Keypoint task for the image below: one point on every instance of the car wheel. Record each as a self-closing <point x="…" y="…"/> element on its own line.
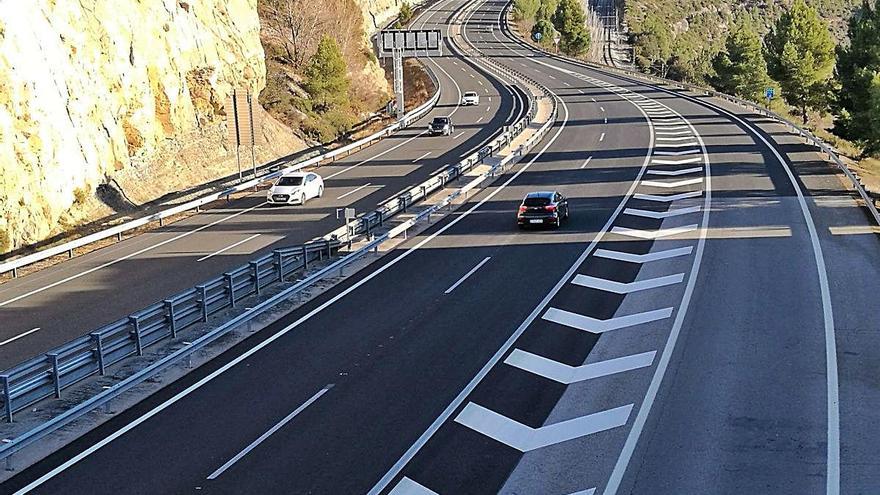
<point x="321" y="191"/>
<point x="302" y="199"/>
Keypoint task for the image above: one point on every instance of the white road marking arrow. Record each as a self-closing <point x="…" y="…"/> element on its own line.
<point x="653" y="234"/>
<point x="669" y="197"/>
<point x="681" y="161"/>
<point x="672" y="184"/>
<point x="657" y="215"/>
<point x="525" y="438"/>
<point x="678" y="145"/>
<point x="593" y="325"/>
<point x="672" y="173"/>
<point x="566" y="375"/>
<point x="407" y="486"/>
<point x="643" y="258"/>
<point x="626" y="288"/>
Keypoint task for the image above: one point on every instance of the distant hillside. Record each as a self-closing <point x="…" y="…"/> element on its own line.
<point x="710" y="15"/>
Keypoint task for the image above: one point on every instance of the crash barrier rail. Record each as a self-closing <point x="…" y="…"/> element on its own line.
<point x="329" y="157"/>
<point x="174" y="308"/>
<point x="48" y="375"/>
<point x="809" y="137"/>
<point x="12" y="445"/>
<point x="365" y="223"/>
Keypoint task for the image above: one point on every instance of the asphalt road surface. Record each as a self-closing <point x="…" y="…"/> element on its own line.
<point x="704" y="323"/>
<point x="52" y="306"/>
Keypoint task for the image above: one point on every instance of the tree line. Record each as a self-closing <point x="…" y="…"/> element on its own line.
<point x="798" y="57"/>
<point x="548" y="20"/>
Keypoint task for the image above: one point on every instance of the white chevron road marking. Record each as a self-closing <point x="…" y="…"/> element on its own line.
<point x="668" y="197"/>
<point x="673" y="132"/>
<point x="627" y="288"/>
<point x="525" y="438"/>
<point x="653" y="234"/>
<point x="678" y="145"/>
<point x="644" y="258"/>
<point x="672" y="184"/>
<point x="677" y="153"/>
<point x="680" y="161"/>
<point x="592" y="325"/>
<point x="407" y="486"/>
<point x="673" y="139"/>
<point x="673" y="173"/>
<point x="566" y="375"/>
<point x="659" y="215"/>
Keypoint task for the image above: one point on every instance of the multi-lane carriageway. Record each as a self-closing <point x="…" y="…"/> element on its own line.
<point x="702" y="325"/>
<point x="43" y="310"/>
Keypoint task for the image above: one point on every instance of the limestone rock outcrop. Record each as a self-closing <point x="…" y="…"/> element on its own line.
<point x="134" y="91"/>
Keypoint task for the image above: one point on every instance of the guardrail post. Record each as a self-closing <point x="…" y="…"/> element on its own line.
<point x="7" y="398"/>
<point x="136" y="332"/>
<point x="229" y="286"/>
<point x="99" y="351"/>
<point x="169" y="306"/>
<point x="15" y="273"/>
<point x="56" y="378"/>
<point x="279" y="262"/>
<point x="305" y="258"/>
<point x="203" y="301"/>
<point x="161" y="222"/>
<point x="329" y="253"/>
<point x="255" y="273"/>
<point x="70" y="253"/>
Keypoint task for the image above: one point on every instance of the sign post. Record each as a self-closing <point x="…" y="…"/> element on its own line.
<point x="398" y="44"/>
<point x="769" y="93"/>
<point x="240" y="124"/>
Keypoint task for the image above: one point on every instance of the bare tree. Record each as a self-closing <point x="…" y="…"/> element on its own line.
<point x="294" y="23"/>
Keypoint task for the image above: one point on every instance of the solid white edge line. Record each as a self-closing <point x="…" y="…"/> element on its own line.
<point x="127" y="256"/>
<point x="227" y="248"/>
<point x="180" y="395"/>
<point x="466" y="275"/>
<point x="422" y="440"/>
<point x="269" y="433"/>
<point x="422" y="157"/>
<point x="23" y="334"/>
<point x="641" y="418"/>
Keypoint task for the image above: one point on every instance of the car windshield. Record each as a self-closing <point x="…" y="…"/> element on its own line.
<point x="538" y="201"/>
<point x="440" y="120"/>
<point x="290" y="181"/>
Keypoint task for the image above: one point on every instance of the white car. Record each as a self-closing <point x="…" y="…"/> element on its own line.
<point x="295" y="188"/>
<point x="470" y="98"/>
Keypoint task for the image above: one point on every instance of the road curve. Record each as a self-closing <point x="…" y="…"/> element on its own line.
<point x="701" y="325"/>
<point x="52" y="306"/>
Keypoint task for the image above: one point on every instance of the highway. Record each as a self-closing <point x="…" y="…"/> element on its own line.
<point x="704" y="323"/>
<point x="52" y="306"/>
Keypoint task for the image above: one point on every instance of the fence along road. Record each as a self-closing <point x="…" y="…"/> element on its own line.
<point x="746" y="413"/>
<point x="47" y="308"/>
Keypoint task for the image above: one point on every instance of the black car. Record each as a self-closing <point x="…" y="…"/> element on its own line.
<point x="542" y="208"/>
<point x="441" y="125"/>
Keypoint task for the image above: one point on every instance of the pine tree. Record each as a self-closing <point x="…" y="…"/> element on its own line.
<point x="570" y="20"/>
<point x="800" y="55"/>
<point x="406" y="13"/>
<point x="740" y="69"/>
<point x="525" y="10"/>
<point x="858" y="74"/>
<point x="654" y="44"/>
<point x="326" y="80"/>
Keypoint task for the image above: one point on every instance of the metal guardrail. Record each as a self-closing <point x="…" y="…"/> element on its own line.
<point x="342" y="152"/>
<point x="369" y="221"/>
<point x="188" y="306"/>
<point x="808" y="136"/>
<point x="48" y="375"/>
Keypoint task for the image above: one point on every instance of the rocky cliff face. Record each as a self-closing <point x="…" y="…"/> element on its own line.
<point x="134" y="91"/>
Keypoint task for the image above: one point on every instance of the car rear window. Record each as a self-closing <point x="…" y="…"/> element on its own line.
<point x="536" y="201"/>
<point x="470" y="93"/>
<point x="290" y="181"/>
<point x="440" y="120"/>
